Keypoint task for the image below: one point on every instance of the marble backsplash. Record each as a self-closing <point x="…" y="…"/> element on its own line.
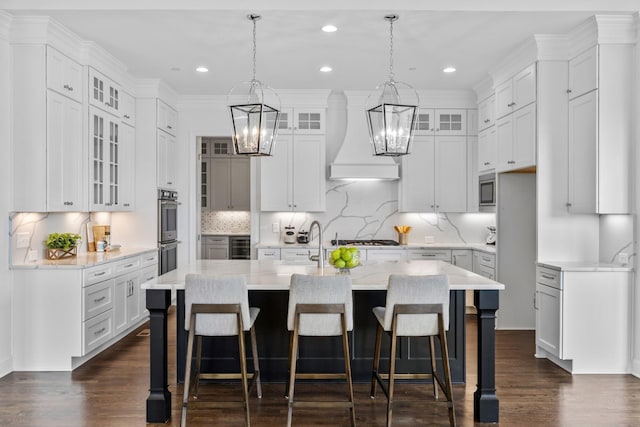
<point x="369" y="210"/>
<point x="226" y="221"/>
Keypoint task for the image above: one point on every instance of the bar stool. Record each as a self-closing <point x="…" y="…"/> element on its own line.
<point x="219" y="306"/>
<point x="416" y="306"/>
<point x="319" y="306"/>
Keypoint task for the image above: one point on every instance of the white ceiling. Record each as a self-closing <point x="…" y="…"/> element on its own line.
<point x="169" y="42"/>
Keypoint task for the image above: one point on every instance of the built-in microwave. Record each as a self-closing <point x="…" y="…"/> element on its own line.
<point x="487" y="192"/>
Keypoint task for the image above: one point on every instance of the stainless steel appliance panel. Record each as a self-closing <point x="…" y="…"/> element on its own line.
<point x="168" y="257"/>
<point x="487" y="192"/>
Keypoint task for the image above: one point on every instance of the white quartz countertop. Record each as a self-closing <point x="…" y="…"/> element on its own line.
<point x="276" y="274"/>
<point x="84" y="260"/>
<point x="584" y="266"/>
<point x="225" y="233"/>
<point x="473" y="246"/>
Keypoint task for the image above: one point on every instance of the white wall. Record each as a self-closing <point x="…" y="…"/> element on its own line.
<point x="6" y="279"/>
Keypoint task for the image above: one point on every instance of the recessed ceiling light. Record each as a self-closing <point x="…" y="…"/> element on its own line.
<point x="325" y="69"/>
<point x="329" y="28"/>
<point x="202" y="69"/>
<point x="449" y="70"/>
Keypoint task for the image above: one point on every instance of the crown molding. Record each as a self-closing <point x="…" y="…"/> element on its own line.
<point x="552" y="47"/>
<point x="45" y="30"/>
<point x="522" y="56"/>
<point x="155" y="88"/>
<point x="201" y="102"/>
<point x="602" y="29"/>
<point x="97" y="57"/>
<point x="484" y="88"/>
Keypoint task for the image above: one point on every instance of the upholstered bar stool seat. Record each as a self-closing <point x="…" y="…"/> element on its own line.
<point x="416" y="306"/>
<point x="319" y="306"/>
<point x="216" y="307"/>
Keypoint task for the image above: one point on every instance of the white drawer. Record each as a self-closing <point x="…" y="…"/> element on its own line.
<point x="97" y="298"/>
<point x="487" y="272"/>
<point x="148" y="273"/>
<point x="488" y="260"/>
<point x="430" y="254"/>
<point x="126" y="265"/>
<point x="384" y="255"/>
<point x="549" y="277"/>
<point x="296" y="254"/>
<point x="98" y="273"/>
<point x="268" y="253"/>
<point x="149" y="259"/>
<point x="97" y="331"/>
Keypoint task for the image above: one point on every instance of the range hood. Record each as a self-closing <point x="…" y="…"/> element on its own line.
<point x="355" y="159"/>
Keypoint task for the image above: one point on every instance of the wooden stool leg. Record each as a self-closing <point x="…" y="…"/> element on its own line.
<point x="256" y="362"/>
<point x="292" y="367"/>
<point x="196" y="374"/>
<point x="392" y="373"/>
<point x="376" y="361"/>
<point x="347" y="368"/>
<point x="432" y="350"/>
<point x="447" y="370"/>
<point x="243" y="370"/>
<point x="286" y="389"/>
<point x="187" y="375"/>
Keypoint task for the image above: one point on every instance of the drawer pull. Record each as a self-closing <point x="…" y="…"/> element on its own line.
<point x="100" y="332"/>
<point x="151" y="259"/>
<point x="102" y="273"/>
<point x="486" y="259"/>
<point x="149" y="278"/>
<point x="128" y="265"/>
<point x="102" y="298"/>
<point x="428" y="255"/>
<point x="546" y="276"/>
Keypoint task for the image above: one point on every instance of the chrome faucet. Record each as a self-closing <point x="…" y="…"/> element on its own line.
<point x="320" y="256"/>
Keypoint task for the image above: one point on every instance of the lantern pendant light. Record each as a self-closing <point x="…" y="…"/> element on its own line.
<point x="390" y="115"/>
<point x="255" y="112"/>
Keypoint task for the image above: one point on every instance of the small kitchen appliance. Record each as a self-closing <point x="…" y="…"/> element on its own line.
<point x="303" y="236"/>
<point x="491" y="237"/>
<point x="289" y="234"/>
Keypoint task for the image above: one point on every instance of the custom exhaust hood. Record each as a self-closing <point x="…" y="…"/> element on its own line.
<point x="355" y="159"/>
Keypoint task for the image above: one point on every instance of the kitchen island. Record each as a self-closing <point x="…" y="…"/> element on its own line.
<point x="268" y="283"/>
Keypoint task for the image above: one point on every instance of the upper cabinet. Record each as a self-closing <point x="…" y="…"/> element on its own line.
<point x="600" y="129"/>
<point x="487" y="149"/>
<point x="516" y="140"/>
<point x="434" y="176"/>
<point x="486" y="113"/>
<point x="167" y="118"/>
<point x="583" y="73"/>
<point x="517" y="92"/>
<point x="49" y="149"/>
<point x="128" y="108"/>
<point x="104" y="93"/>
<point x="64" y="75"/>
<point x="302" y="121"/>
<point x="225" y="182"/>
<point x="448" y="122"/>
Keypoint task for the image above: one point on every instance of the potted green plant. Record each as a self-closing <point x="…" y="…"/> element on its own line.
<point x="60" y="245"/>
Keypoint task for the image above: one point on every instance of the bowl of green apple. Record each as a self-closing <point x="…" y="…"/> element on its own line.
<point x="345" y="258"/>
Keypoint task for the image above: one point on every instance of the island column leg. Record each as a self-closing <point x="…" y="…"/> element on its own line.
<point x="159" y="400"/>
<point x="485" y="402"/>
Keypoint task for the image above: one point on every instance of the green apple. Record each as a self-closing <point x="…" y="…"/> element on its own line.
<point x="339" y="263"/>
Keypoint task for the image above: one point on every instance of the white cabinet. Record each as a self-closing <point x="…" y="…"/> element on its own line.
<point x="308" y="121"/>
<point x="439" y="165"/>
<point x="268" y="253"/>
<point x="66" y="183"/>
<point x="600" y="132"/>
<point x="167" y="118"/>
<point x="462" y="258"/>
<point x="225" y="183"/>
<point x="109" y="156"/>
<point x="126" y="167"/>
<point x="484" y="264"/>
<point x="583" y="73"/>
<point x="487" y="149"/>
<point x="430" y="254"/>
<point x="64" y="75"/>
<point x="215" y="247"/>
<point x="583" y="319"/>
<point x="516" y="140"/>
<point x="293" y="178"/>
<point x="517" y="92"/>
<point x="383" y="255"/>
<point x="48" y="148"/>
<point x="104" y="93"/>
<point x="486" y="113"/>
<point x="450" y="122"/>
<point x="128" y="108"/>
<point x="166" y="160"/>
<point x="298" y="255"/>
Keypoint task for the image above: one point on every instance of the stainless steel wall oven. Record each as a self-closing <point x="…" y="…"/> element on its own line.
<point x="167" y="230"/>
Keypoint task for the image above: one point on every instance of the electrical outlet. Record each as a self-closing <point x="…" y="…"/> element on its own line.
<point x="22" y="240"/>
<point x="33" y="255"/>
<point x="623" y="258"/>
<point x="275" y="227"/>
<point x="429" y="239"/>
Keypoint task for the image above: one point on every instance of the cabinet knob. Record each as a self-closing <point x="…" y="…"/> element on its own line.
<point x="511" y="104"/>
<point x="486" y="120"/>
<point x="569" y="205"/>
<point x="170" y="183"/>
<point x="568" y="90"/>
<point x="511" y="162"/>
<point x="486" y="163"/>
<point x="169" y="127"/>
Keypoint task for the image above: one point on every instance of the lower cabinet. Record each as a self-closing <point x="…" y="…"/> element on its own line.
<point x="583" y="319"/>
<point x="63" y="317"/>
<point x="215" y="247"/>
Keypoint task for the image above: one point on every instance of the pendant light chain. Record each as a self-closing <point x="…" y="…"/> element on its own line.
<point x="254" y="18"/>
<point x="391" y="49"/>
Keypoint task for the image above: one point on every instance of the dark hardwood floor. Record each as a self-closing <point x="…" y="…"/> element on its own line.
<point x="111" y="390"/>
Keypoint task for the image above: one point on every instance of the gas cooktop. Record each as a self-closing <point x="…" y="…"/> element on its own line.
<point x="371" y="242"/>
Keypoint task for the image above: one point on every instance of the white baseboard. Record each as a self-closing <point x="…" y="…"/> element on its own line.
<point x="6" y="366"/>
<point x="635" y="368"/>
